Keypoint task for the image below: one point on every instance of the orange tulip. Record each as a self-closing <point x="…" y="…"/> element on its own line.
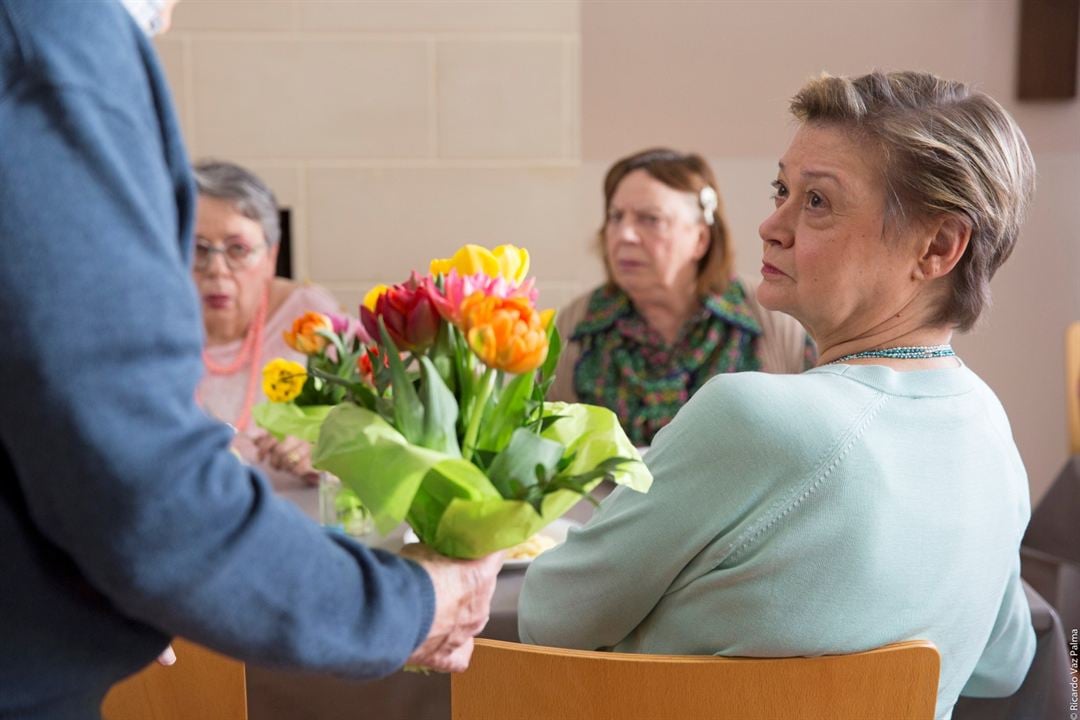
<point x="507" y="334"/>
<point x="303" y="337"/>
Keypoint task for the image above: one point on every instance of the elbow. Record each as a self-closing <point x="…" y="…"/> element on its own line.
<point x="995" y="687"/>
<point x="531" y="628"/>
<point x="1011" y="683"/>
<point x="1005" y="679"/>
<point x="549" y="627"/>
<point x="539" y="624"/>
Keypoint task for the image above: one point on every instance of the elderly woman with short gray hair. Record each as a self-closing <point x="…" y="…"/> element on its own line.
<point x="877" y="497"/>
<point x="245" y="311"/>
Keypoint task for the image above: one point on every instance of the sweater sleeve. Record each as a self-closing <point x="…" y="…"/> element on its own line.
<point x="1010" y="648"/>
<point x="118" y="469"/>
<point x="596" y="588"/>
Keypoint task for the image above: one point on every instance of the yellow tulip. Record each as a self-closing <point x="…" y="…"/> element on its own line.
<point x="283" y="379"/>
<point x="506" y="261"/>
<point x="513" y="262"/>
<point x="505" y="333"/>
<point x="373" y="295"/>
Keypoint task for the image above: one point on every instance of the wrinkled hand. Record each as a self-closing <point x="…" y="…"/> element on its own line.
<point x="290" y="454"/>
<point x="463" y="590"/>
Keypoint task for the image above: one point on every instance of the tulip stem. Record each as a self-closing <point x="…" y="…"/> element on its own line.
<point x="487" y="384"/>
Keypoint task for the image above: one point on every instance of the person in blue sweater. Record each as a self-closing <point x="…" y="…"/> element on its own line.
<point x="877" y="497"/>
<point x="124" y="518"/>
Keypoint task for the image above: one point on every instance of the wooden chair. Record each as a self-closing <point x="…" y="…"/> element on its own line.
<point x="201" y="685"/>
<point x="510" y="681"/>
<point x="1072" y="385"/>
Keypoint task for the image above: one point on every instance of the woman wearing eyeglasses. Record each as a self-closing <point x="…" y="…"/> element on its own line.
<point x="245" y="311"/>
<point x="671" y="314"/>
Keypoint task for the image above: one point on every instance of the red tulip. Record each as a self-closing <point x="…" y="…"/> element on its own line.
<point x="409" y="314"/>
<point x="365" y="364"/>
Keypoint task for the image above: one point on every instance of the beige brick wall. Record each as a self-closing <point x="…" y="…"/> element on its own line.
<point x="395" y="131"/>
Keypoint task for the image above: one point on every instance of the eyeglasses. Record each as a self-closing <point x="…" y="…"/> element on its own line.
<point x="644" y="222"/>
<point x="237" y="255"/>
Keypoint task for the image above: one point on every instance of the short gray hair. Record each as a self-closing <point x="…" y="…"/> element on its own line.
<point x="948" y="149"/>
<point x="243" y="190"/>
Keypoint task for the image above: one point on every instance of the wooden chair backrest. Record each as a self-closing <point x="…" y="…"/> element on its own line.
<point x="511" y="681"/>
<point x="201" y="685"/>
<point x="1072" y="385"/>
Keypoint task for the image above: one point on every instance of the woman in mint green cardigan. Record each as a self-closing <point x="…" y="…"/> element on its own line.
<point x="877" y="497"/>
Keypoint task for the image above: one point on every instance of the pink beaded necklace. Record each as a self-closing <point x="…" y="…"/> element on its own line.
<point x="250" y="350"/>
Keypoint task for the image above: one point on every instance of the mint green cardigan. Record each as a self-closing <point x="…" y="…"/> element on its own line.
<point x="829" y="512"/>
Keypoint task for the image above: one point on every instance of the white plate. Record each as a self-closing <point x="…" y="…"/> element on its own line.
<point x="556" y="531"/>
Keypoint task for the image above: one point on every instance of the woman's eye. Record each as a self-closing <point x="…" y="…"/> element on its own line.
<point x="814" y="200"/>
<point x="614" y="217"/>
<point x="650" y="220"/>
<point x="238" y="251"/>
<point x="779" y="190"/>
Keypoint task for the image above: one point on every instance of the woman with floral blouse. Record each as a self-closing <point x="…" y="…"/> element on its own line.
<point x="671" y="315"/>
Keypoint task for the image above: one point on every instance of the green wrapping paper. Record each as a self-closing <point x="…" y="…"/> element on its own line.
<point x="282" y="419"/>
<point x="450" y="503"/>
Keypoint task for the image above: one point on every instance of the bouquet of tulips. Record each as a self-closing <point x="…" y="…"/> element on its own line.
<point x="445" y="425"/>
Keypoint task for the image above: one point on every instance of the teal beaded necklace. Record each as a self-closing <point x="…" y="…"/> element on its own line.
<point x="911" y="352"/>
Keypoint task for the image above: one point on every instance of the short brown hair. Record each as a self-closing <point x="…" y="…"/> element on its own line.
<point x="686" y="173"/>
<point x="947" y="149"/>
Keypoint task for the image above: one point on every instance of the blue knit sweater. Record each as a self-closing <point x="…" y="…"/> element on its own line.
<point x="124" y="519"/>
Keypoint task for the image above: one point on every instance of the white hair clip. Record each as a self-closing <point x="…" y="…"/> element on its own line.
<point x="709" y="201"/>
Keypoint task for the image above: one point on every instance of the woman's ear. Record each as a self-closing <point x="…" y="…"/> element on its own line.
<point x="942" y="248"/>
<point x="703" y="243"/>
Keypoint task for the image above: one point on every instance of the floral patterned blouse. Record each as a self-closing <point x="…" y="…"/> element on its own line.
<point x="623" y="364"/>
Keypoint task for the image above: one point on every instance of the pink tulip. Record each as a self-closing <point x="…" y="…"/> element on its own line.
<point x="347" y="327"/>
<point x="457" y="287"/>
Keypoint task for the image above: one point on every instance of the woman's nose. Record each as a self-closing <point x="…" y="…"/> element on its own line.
<point x="777" y="229"/>
<point x="216" y="265"/>
<point x="624" y="230"/>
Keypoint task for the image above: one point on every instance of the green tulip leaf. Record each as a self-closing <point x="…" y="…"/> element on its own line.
<point x="440" y="411"/>
<point x="507" y="414"/>
<point x="547" y="369"/>
<point x="515" y="468"/>
<point x="408" y="412"/>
